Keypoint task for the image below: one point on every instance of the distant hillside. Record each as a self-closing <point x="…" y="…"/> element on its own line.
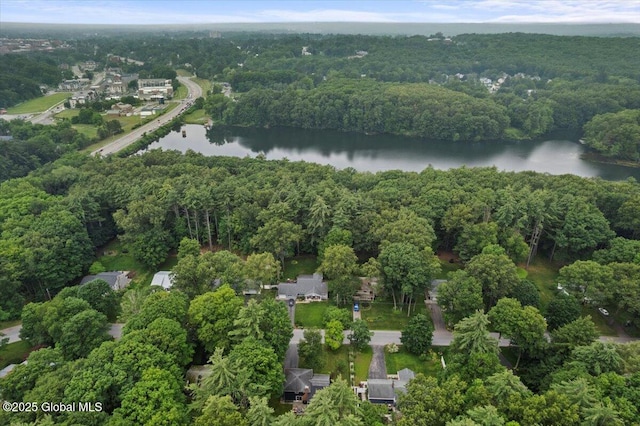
<point x="15" y="29"/>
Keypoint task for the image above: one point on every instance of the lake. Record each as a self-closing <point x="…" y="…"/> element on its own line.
<point x="387" y="152"/>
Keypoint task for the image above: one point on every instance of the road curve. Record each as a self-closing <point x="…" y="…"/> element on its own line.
<point x="195" y="91"/>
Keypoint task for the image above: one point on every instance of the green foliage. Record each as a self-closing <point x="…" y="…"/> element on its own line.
<point x="497" y="275"/>
<point x="620" y="250"/>
<point x="334" y="336"/>
<point x="24" y="376"/>
<point x="428" y="402"/>
<point x="562" y="310"/>
<point x="459" y="297"/>
<point x="160" y="304"/>
<point x="471" y="335"/>
<point x="615" y="134"/>
<point x="82" y="333"/>
<point x="168" y="336"/>
<point x="96" y="268"/>
<point x="333" y="313"/>
<point x="417" y="336"/>
<point x="581" y="332"/>
<point x="156" y="399"/>
<point x="220" y="411"/>
<point x="406" y="269"/>
<point x="212" y="314"/>
<point x="21" y="76"/>
<point x="101" y="297"/>
<point x="339" y="262"/>
<point x="360" y="335"/>
<point x="262" y="364"/>
<point x="310" y="349"/>
<point x="188" y="246"/>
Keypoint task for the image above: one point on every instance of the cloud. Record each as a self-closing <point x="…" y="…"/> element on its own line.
<point x="428" y="11"/>
<point x="326" y="15"/>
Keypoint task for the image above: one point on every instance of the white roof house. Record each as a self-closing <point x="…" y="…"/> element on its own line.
<point x="163" y="279"/>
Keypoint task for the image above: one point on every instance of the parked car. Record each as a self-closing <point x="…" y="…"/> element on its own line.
<point x="356" y="307"/>
<point x="604" y="312"/>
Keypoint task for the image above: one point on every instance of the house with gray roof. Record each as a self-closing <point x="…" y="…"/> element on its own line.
<point x="117" y="280"/>
<point x="381" y="391"/>
<point x="386" y="391"/>
<point x="301" y="384"/>
<point x="307" y="287"/>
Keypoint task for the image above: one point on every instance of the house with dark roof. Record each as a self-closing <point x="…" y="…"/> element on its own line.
<point x="386" y="391"/>
<point x="381" y="391"/>
<point x="117" y="280"/>
<point x="301" y="384"/>
<point x="307" y="287"/>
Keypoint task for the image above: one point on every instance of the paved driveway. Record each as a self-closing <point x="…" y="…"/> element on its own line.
<point x="291" y="357"/>
<point x="377" y="368"/>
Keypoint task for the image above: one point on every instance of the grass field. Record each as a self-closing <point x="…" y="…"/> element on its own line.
<point x="117" y="258"/>
<point x="601" y="322"/>
<point x="299" y="265"/>
<point x="380" y="315"/>
<point x="403" y="359"/>
<point x="362" y="362"/>
<point x="204" y="84"/>
<point x="181" y="93"/>
<point x="89" y="130"/>
<point x="14" y="353"/>
<point x="336" y="362"/>
<point x="446" y="268"/>
<point x="67" y="113"/>
<point x="310" y="314"/>
<point x="543" y="274"/>
<point x="39" y="104"/>
<point x="199" y="116"/>
<point x="7" y="324"/>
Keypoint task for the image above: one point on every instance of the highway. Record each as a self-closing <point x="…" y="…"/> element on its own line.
<point x="195" y="91"/>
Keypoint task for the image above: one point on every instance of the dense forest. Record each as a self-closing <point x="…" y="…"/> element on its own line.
<point x="21" y="77"/>
<point x="157" y="202"/>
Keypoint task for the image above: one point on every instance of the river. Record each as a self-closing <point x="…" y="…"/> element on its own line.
<point x="387" y="152"/>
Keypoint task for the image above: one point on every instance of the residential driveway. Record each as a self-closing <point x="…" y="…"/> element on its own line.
<point x="377" y="368"/>
<point x="291" y="357"/>
<point x="437" y="318"/>
<point x="357" y="315"/>
<point x="13" y="333"/>
<point x="115" y="330"/>
<point x="292" y="313"/>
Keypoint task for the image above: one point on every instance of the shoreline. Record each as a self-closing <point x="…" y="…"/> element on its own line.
<point x="599" y="158"/>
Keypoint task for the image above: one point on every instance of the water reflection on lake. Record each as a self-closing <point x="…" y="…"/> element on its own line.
<point x="387" y="152"/>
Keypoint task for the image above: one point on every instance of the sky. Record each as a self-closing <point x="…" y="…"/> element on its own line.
<point x="245" y="11"/>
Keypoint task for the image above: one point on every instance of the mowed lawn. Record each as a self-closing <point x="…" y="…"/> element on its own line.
<point x="336" y="363"/>
<point x="116" y="257"/>
<point x="362" y="363"/>
<point x="544" y="275"/>
<point x="430" y="366"/>
<point x="310" y="314"/>
<point x="199" y="116"/>
<point x="299" y="265"/>
<point x="380" y="314"/>
<point x="14" y="353"/>
<point x="39" y="104"/>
